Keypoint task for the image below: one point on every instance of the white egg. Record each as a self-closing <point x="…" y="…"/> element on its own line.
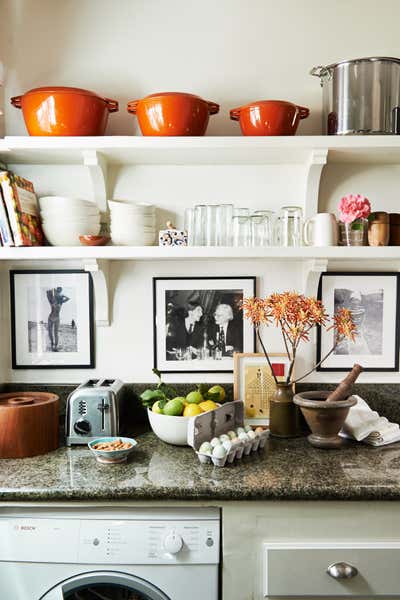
<point x="232" y="434"/>
<point x="206" y="448"/>
<point x="227" y="444"/>
<point x="215" y="442"/>
<point x="248" y="428"/>
<point x="252" y="434"/>
<point x="224" y="438"/>
<point x="259" y="430"/>
<point x="240" y="430"/>
<point x="243" y="436"/>
<point x="219" y="452"/>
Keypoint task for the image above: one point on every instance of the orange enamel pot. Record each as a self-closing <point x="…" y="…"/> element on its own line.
<point x="64" y="111"/>
<point x="172" y="113"/>
<point x="269" y="117"/>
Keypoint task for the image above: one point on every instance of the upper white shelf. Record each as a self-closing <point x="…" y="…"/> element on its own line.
<point x="201" y="150"/>
<point x="333" y="253"/>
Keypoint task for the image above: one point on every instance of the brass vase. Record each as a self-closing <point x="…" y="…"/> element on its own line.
<point x="284" y="415"/>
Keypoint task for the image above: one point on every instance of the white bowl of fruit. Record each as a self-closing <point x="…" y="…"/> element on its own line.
<point x="170" y="414"/>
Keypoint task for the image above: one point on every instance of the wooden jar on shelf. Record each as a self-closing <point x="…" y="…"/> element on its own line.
<point x="378" y="229"/>
<point x="394" y="239"/>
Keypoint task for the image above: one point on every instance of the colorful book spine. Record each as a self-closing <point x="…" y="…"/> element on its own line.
<point x="6" y="235"/>
<point x="22" y="209"/>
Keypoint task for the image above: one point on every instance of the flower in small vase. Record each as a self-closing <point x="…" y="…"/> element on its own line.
<point x="354" y="207"/>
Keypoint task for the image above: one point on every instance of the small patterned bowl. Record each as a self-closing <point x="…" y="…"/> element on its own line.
<point x="112" y="456"/>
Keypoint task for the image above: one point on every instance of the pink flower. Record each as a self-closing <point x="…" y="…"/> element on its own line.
<point x="354" y="207"/>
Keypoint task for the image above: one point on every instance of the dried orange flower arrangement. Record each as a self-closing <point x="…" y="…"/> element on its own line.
<point x="296" y="315"/>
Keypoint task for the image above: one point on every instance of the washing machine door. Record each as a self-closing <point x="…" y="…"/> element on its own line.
<point x="105" y="585"/>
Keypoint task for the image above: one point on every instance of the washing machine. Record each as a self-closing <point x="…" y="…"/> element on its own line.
<point x="130" y="554"/>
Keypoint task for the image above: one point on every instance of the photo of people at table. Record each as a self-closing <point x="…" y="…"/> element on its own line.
<point x="203" y="324"/>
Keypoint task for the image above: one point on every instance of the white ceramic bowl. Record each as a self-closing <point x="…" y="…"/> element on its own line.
<point x="113" y="456"/>
<point x="63" y="202"/>
<point x="70" y="213"/>
<point x="65" y="234"/>
<point x="56" y="221"/>
<point x="172" y="430"/>
<point x="130" y="207"/>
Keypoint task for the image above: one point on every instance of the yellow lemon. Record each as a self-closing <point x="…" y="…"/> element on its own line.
<point x="218" y="389"/>
<point x="207" y="405"/>
<point x="191" y="410"/>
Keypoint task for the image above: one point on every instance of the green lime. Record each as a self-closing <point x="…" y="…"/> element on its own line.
<point x="174" y="408"/>
<point x="217" y="389"/>
<point x="156" y="408"/>
<point x="194" y="397"/>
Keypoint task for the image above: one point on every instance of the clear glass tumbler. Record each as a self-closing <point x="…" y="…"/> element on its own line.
<point x="241" y="227"/>
<point x="200" y="224"/>
<point x="261" y="228"/>
<point x="289" y="226"/>
<point x="224" y="224"/>
<point x="211" y="224"/>
<point x="188" y="225"/>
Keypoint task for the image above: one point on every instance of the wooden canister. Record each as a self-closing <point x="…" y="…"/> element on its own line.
<point x="378" y="229"/>
<point x="394" y="239"/>
<point x="28" y="424"/>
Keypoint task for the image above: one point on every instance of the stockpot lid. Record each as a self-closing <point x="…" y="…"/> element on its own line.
<point x="323" y="71"/>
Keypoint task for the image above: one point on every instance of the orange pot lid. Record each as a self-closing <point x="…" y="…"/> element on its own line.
<point x="64" y="90"/>
<point x="175" y="94"/>
<point x="264" y="102"/>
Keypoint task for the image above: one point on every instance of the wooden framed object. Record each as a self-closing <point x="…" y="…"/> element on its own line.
<point x="254" y="383"/>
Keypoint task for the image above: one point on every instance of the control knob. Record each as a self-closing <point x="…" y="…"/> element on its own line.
<point x="173" y="543"/>
<point x="82" y="427"/>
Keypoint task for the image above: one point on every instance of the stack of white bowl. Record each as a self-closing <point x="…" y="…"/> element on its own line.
<point x="65" y="219"/>
<point x="132" y="224"/>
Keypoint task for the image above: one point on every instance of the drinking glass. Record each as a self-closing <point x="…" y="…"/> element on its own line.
<point x="200" y="224"/>
<point x="241" y="227"/>
<point x="261" y="228"/>
<point x="224" y="224"/>
<point x="211" y="224"/>
<point x="289" y="226"/>
<point x="189" y="225"/>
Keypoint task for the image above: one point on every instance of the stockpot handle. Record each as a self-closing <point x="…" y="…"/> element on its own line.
<point x="213" y="107"/>
<point x="16" y="101"/>
<point x="321" y="72"/>
<point x="112" y="105"/>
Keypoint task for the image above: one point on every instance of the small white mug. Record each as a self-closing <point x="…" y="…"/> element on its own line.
<point x="324" y="230"/>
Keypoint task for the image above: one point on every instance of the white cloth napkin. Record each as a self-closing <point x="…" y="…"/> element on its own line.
<point x="365" y="425"/>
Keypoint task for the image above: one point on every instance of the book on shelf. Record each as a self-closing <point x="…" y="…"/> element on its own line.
<point x="21" y="205"/>
<point x="6" y="236"/>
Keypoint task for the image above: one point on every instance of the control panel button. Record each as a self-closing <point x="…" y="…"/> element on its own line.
<point x="96" y="542"/>
<point x="82" y="427"/>
<point x="209" y="542"/>
<point x="173" y="543"/>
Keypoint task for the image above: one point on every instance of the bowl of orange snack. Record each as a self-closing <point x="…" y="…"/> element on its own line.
<point x="112" y="450"/>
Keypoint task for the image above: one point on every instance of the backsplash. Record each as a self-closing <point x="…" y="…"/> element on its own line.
<point x="384" y="398"/>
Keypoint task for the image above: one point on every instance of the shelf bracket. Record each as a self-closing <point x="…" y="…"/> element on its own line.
<point x="312" y="270"/>
<point x="316" y="162"/>
<point x="97" y="167"/>
<point x="99" y="270"/>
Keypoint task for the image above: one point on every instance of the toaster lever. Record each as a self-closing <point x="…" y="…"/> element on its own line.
<point x="103" y="406"/>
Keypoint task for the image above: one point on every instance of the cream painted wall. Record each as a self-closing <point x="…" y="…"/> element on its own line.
<point x="230" y="51"/>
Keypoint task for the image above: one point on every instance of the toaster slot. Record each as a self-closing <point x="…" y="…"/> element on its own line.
<point x="92" y="382"/>
<point x="108" y="382"/>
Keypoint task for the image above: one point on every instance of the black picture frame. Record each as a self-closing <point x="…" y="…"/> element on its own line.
<point x="252" y="280"/>
<point x="396" y="337"/>
<point x="16" y="364"/>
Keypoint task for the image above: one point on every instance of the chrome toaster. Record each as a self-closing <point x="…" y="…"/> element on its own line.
<point x="93" y="410"/>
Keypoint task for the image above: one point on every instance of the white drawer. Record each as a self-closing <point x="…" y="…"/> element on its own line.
<point x="303" y="570"/>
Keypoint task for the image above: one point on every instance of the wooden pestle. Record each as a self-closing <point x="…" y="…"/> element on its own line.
<point x="343" y="389"/>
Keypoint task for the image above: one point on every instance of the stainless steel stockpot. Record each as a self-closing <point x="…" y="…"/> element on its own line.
<point x="361" y="96"/>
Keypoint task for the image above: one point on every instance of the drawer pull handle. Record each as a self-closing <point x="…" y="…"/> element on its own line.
<point x="342" y="570"/>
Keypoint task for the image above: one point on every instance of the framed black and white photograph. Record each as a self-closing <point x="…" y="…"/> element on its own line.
<point x="373" y="299"/>
<point x="52" y="319"/>
<point x="198" y="323"/>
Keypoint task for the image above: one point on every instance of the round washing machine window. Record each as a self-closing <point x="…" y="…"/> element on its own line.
<point x="105" y="585"/>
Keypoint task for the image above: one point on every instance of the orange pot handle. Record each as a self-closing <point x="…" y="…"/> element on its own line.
<point x="213" y="107"/>
<point x="303" y="112"/>
<point x="112" y="105"/>
<point x="235" y="113"/>
<point x="132" y="106"/>
<point x="16" y="101"/>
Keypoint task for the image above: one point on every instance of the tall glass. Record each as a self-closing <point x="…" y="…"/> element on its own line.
<point x="241" y="227"/>
<point x="211" y="224"/>
<point x="189" y="225"/>
<point x="261" y="228"/>
<point x="289" y="226"/>
<point x="200" y="224"/>
<point x="224" y="224"/>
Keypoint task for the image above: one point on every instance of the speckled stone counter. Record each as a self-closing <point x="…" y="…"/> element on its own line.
<point x="287" y="470"/>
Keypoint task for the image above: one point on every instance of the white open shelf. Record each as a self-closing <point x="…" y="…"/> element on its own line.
<point x="139" y="253"/>
<point x="201" y="150"/>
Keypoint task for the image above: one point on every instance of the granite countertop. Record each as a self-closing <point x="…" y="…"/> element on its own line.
<point x="284" y="469"/>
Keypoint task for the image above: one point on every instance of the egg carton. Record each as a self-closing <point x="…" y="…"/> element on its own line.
<point x="210" y="425"/>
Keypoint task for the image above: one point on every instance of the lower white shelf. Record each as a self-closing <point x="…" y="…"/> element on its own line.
<point x="337" y="253"/>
